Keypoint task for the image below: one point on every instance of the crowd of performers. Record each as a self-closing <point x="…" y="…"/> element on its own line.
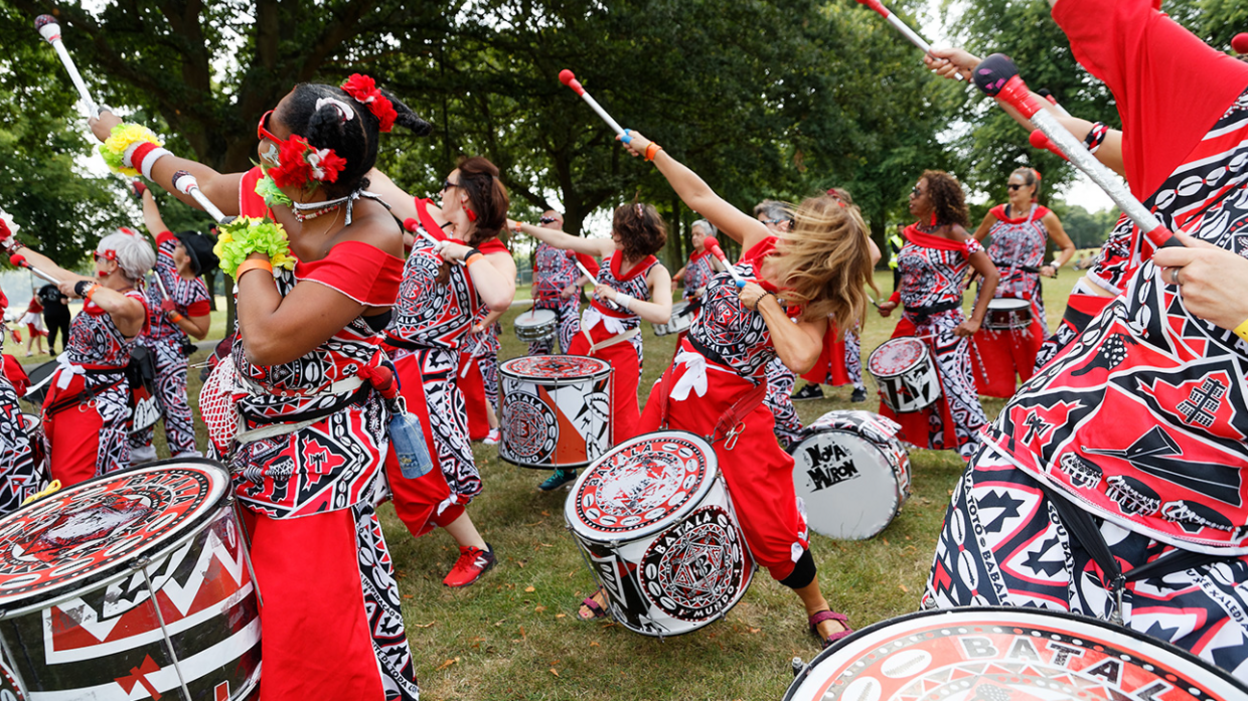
<point x="1110" y="485"/>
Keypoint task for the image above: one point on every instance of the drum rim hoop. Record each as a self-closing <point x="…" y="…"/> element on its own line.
<point x="695" y="499"/>
<point x="985" y="613"/>
<point x="503" y="370"/>
<point x="926" y="354"/>
<point x="121" y="567"/>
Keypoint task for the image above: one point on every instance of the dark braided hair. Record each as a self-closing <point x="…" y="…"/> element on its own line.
<point x="355" y="139"/>
<point x="947" y="198"/>
<point x="487" y="197"/>
<point x="642" y="231"/>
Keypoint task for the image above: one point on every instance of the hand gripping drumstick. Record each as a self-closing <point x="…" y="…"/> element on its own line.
<point x="998" y="77"/>
<point x="50" y="30"/>
<point x="902" y="27"/>
<point x="568" y="78"/>
<point x="711" y="244"/>
<point x="20" y="261"/>
<point x="186" y="183"/>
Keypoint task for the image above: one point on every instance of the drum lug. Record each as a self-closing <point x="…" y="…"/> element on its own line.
<point x="798" y="667"/>
<point x="140" y="563"/>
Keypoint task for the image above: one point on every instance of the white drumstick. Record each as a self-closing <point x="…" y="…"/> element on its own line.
<point x="50" y="30"/>
<point x="20" y="261"/>
<point x="569" y="79"/>
<point x="902" y="27"/>
<point x="711" y="244"/>
<point x="464" y="373"/>
<point x="186" y="183"/>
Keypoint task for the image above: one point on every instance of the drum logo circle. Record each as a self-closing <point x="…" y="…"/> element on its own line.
<point x="529" y="429"/>
<point x="640" y="485"/>
<point x="694" y="570"/>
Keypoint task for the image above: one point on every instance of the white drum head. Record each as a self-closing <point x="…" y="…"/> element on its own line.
<point x="847" y="482"/>
<point x="535" y="318"/>
<point x="1008" y="304"/>
<point x="896" y="356"/>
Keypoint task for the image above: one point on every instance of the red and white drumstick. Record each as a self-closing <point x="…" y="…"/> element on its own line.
<point x="711" y="244"/>
<point x="50" y="30"/>
<point x="902" y="27"/>
<point x="20" y="261"/>
<point x="1037" y="139"/>
<point x="568" y="78"/>
<point x="998" y="77"/>
<point x="186" y="183"/>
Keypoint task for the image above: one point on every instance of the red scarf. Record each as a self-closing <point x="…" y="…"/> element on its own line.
<point x="999" y="213"/>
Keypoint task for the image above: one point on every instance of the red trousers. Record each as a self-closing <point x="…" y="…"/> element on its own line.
<point x="758" y="473"/>
<point x="316" y="643"/>
<point x="473" y="387"/>
<point x="625" y="376"/>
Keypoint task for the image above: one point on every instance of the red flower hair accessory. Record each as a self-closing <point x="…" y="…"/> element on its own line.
<point x="301" y="162"/>
<point x="364" y="90"/>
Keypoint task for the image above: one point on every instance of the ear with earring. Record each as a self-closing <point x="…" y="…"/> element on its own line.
<point x="472" y="216"/>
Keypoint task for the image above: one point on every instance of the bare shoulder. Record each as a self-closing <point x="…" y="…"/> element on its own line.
<point x="372" y="224"/>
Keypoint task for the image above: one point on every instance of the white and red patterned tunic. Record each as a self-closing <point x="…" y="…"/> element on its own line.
<point x="616" y="318"/>
<point x="728" y="333"/>
<point x="191" y="296"/>
<point x="698" y="273"/>
<point x="932" y="276"/>
<point x="1016" y="246"/>
<point x="553" y="270"/>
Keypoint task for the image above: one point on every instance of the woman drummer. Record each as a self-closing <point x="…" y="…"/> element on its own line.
<point x="933" y="264"/>
<point x="700" y="268"/>
<point x="309" y="363"/>
<point x="795" y="283"/>
<point x="1020" y="231"/>
<point x="448" y="282"/>
<point x="557" y="283"/>
<point x="179" y="309"/>
<point x="632" y="285"/>
<point x="86" y="409"/>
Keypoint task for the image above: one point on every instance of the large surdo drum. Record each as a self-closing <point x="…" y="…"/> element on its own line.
<point x="906" y="374"/>
<point x="554" y="410"/>
<point x="1007" y="313"/>
<point x="659" y="533"/>
<point x="1007" y="654"/>
<point x="852" y="473"/>
<point x="131" y="585"/>
<point x="536" y="325"/>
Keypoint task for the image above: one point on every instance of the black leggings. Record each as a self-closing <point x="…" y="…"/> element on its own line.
<point x="57" y="321"/>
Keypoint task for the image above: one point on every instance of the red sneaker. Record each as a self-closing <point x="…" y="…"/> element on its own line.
<point x="472" y="563"/>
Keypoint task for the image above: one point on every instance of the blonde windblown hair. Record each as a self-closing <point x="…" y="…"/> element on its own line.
<point x="824" y="263"/>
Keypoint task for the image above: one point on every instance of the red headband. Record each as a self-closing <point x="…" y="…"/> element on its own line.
<point x="364" y="90"/>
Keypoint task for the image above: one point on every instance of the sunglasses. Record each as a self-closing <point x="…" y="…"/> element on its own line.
<point x="447" y="185"/>
<point x="774" y="221"/>
<point x="546" y="220"/>
<point x="106" y="255"/>
<point x="915" y="192"/>
<point x="1015" y="186"/>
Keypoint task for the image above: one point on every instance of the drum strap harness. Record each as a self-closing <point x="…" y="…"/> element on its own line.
<point x="618" y="338"/>
<point x="921" y="314"/>
<point x="82" y="398"/>
<point x="730" y="424"/>
<point x="1084" y="528"/>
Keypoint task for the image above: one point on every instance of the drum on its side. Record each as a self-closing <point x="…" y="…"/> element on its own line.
<point x="554" y="410"/>
<point x="84" y="571"/>
<point x="1006" y="313"/>
<point x="852" y="474"/>
<point x="998" y="653"/>
<point x="536" y="325"/>
<point x="659" y="533"/>
<point x="682" y="319"/>
<point x="40" y="379"/>
<point x="906" y="374"/>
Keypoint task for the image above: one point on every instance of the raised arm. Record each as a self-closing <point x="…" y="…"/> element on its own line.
<point x="598" y="248"/>
<point x="698" y="196"/>
<point x="220" y="188"/>
<point x="151" y="212"/>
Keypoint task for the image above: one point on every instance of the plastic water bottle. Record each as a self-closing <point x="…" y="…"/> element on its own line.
<point x="407" y="438"/>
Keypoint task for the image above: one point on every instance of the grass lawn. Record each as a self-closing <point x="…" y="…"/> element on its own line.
<point x="515" y="634"/>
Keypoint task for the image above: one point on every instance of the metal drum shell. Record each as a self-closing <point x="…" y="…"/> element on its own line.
<point x="120" y="589"/>
<point x="902" y="652"/>
<point x="594" y="435"/>
<point x="679" y="322"/>
<point x="544" y="324"/>
<point x="628" y="563"/>
<point x="919" y="374"/>
<point x="1008" y="314"/>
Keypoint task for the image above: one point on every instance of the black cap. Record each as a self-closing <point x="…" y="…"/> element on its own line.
<point x="199" y="250"/>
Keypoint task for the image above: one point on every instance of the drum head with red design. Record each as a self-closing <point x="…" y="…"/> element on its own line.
<point x="1008" y="654"/>
<point x="896" y="356"/>
<point x="554" y="367"/>
<point x="641" y="486"/>
<point x="92" y="529"/>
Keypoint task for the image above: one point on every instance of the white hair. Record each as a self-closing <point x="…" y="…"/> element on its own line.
<point x="133" y="253"/>
<point x="708" y="229"/>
